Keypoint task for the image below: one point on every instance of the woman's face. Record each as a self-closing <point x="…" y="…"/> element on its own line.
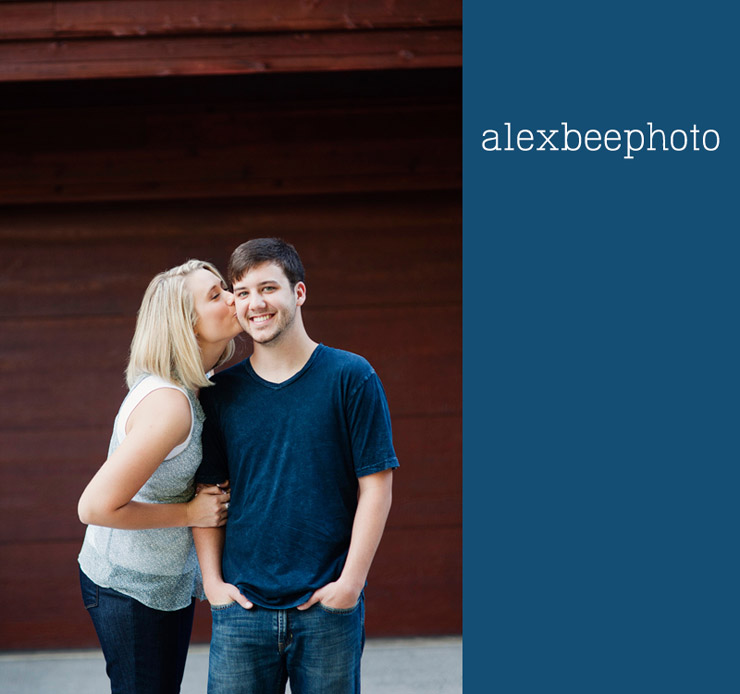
<point x="214" y="306"/>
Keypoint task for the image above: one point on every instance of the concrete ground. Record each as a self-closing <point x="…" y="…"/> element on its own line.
<point x="389" y="666"/>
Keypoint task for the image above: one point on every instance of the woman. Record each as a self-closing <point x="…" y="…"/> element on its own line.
<point x="138" y="569"/>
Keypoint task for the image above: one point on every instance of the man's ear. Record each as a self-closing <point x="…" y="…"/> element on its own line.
<point x="300" y="293"/>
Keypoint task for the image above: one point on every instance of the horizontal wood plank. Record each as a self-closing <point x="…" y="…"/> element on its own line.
<point x="120" y="18"/>
<point x="357" y="252"/>
<point x="256" y="170"/>
<point x="196" y="126"/>
<point x="27" y="20"/>
<point x="68" y="59"/>
<point x="420" y="366"/>
<point x="92" y="190"/>
<point x="325" y="229"/>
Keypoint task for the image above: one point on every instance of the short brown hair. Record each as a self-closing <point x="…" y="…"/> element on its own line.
<point x="268" y="250"/>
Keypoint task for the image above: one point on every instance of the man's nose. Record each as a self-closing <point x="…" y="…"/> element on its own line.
<point x="256" y="300"/>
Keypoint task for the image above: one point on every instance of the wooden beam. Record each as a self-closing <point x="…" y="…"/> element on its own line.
<point x="27" y="20"/>
<point x="366" y="330"/>
<point x="218" y="174"/>
<point x="425" y="227"/>
<point x="120" y="18"/>
<point x="220" y="55"/>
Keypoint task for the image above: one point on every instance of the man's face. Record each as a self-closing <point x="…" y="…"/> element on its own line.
<point x="266" y="305"/>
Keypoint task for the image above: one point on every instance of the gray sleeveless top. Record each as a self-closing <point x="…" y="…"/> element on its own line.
<point x="157" y="567"/>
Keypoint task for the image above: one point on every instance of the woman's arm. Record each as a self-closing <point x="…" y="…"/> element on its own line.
<point x="161" y="421"/>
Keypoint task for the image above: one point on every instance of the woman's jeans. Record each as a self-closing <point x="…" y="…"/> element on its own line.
<point x="256" y="651"/>
<point x="144" y="649"/>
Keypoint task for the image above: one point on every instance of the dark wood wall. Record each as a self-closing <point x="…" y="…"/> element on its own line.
<point x="84" y="39"/>
<point x="105" y="183"/>
<point x="254" y="135"/>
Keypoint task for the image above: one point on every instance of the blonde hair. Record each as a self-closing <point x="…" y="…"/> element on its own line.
<point x="164" y="342"/>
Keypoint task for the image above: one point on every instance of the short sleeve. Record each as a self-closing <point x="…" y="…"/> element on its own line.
<point x="370" y="428"/>
<point x="214" y="467"/>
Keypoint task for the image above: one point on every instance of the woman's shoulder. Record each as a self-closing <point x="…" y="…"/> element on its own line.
<point x="146" y="383"/>
<point x="153" y="397"/>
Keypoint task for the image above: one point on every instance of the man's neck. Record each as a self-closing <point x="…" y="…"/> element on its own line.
<point x="279" y="362"/>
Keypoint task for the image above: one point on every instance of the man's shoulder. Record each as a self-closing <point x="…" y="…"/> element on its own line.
<point x="224" y="381"/>
<point x="345" y="361"/>
<point x="235" y="371"/>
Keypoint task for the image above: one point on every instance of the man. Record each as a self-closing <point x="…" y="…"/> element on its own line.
<point x="302" y="432"/>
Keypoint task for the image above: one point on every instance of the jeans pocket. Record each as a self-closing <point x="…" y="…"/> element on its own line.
<point x="339" y="610"/>
<point x="225" y="606"/>
<point x="90" y="591"/>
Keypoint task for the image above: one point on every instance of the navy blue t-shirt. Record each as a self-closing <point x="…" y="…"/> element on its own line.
<point x="293" y="452"/>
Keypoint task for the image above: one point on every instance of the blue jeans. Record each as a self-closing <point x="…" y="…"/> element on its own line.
<point x="257" y="651"/>
<point x="144" y="649"/>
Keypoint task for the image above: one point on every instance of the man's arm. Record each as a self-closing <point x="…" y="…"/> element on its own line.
<point x="210" y="548"/>
<point x="373" y="506"/>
